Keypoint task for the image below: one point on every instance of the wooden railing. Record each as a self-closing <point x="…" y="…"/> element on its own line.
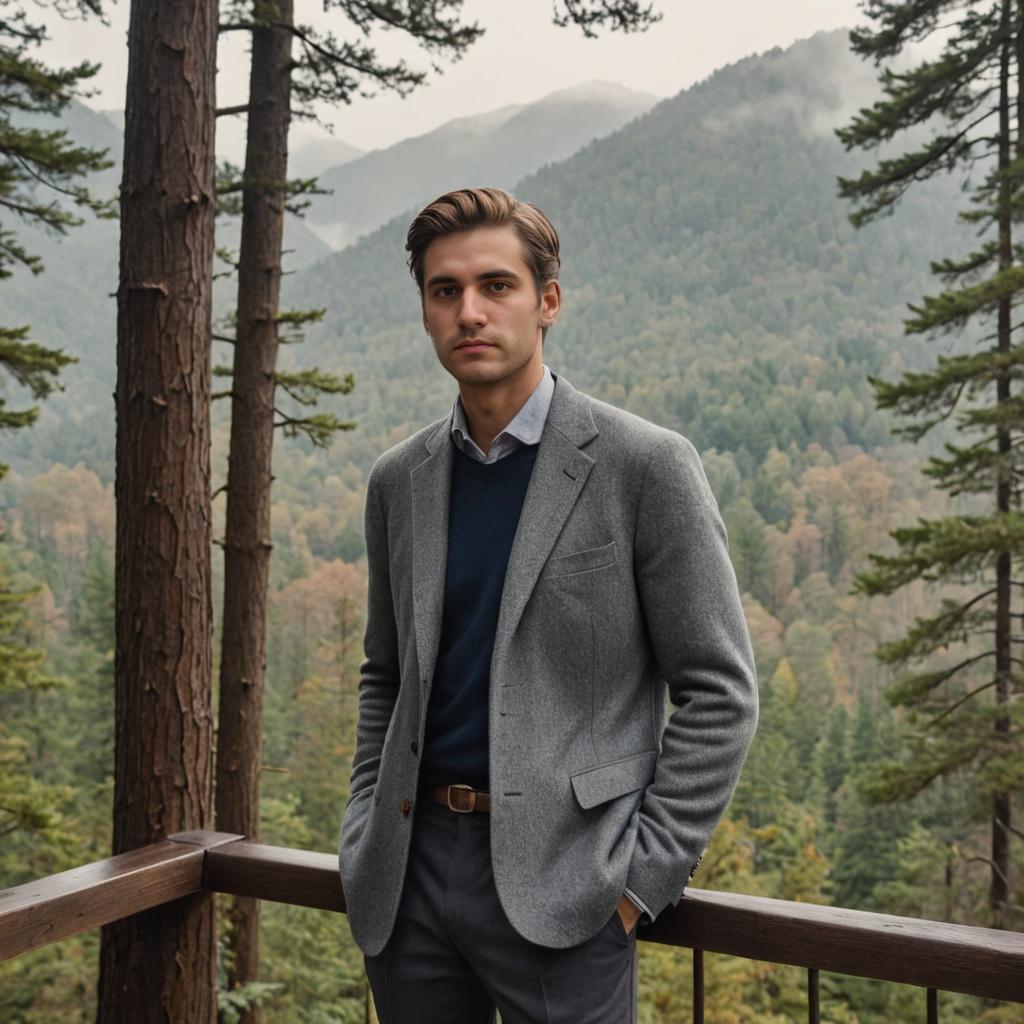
<point x="929" y="954"/>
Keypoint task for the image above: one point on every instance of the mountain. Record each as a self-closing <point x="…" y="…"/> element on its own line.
<point x="310" y="156"/>
<point x="494" y="148"/>
<point x="712" y="283"/>
<point x="712" y="280"/>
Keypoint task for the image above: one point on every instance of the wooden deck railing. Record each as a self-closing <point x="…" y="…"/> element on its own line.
<point x="929" y="954"/>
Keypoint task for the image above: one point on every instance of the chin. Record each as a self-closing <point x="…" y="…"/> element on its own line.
<point x="479" y="374"/>
<point x="476" y="369"/>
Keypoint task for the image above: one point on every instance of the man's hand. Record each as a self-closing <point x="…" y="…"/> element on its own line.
<point x="629" y="913"/>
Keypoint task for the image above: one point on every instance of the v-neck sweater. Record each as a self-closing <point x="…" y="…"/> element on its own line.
<point x="484" y="508"/>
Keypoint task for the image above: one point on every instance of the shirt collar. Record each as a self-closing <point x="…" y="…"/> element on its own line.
<point x="526" y="426"/>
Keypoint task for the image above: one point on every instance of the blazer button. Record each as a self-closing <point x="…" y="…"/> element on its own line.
<point x="415" y="747"/>
<point x="406" y="808"/>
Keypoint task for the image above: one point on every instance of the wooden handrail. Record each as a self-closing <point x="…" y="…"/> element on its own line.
<point x="59" y="906"/>
<point x="931" y="954"/>
<point x="278" y="874"/>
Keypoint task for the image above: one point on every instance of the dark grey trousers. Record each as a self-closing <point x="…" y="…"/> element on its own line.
<point x="453" y="956"/>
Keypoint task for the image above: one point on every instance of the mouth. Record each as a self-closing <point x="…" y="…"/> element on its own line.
<point x="473" y="345"/>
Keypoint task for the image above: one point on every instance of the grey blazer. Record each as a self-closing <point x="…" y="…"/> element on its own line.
<point x="619" y="589"/>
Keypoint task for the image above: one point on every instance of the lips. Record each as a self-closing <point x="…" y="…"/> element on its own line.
<point x="473" y="345"/>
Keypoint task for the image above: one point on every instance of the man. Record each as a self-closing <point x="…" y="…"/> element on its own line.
<point x="542" y="568"/>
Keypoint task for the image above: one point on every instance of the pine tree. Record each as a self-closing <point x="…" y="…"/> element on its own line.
<point x="39" y="172"/>
<point x="962" y="715"/>
<point x="159" y="965"/>
<point x="27" y="805"/>
<point x="865" y="837"/>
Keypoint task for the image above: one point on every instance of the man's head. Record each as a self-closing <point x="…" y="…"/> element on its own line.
<point x="487" y="266"/>
<point x="469" y="208"/>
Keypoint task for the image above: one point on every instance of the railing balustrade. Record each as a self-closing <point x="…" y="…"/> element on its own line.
<point x="930" y="954"/>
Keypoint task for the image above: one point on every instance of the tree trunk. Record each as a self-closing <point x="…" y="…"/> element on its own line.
<point x="159" y="966"/>
<point x="247" y="535"/>
<point x="1000" y="868"/>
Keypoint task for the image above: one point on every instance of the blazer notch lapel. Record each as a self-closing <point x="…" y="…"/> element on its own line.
<point x="431" y="488"/>
<point x="558" y="477"/>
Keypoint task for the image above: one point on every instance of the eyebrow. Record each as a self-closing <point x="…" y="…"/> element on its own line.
<point x="489" y="275"/>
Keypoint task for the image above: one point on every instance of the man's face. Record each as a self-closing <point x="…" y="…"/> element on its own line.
<point x="481" y="307"/>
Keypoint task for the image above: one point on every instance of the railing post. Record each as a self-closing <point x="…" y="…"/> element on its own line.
<point x="698" y="986"/>
<point x="813" y="996"/>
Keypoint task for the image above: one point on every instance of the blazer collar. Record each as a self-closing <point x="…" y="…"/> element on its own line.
<point x="569" y="414"/>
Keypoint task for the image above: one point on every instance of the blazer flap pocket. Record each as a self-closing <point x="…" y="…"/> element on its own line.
<point x="595" y="785"/>
<point x="580" y="561"/>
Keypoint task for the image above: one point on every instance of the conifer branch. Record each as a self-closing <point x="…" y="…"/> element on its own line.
<point x="888" y="183"/>
<point x="912" y="689"/>
<point x="963" y="700"/>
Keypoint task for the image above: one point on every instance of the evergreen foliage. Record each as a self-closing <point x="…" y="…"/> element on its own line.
<point x="39" y="818"/>
<point x="36" y="168"/>
<point x="964" y="712"/>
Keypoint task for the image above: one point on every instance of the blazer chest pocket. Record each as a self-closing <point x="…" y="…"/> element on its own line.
<point x="594" y="786"/>
<point x="579" y="561"/>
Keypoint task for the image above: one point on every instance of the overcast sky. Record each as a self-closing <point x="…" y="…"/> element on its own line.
<point x="520" y="58"/>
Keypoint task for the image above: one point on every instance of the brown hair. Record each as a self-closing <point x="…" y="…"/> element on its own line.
<point x="468" y="208"/>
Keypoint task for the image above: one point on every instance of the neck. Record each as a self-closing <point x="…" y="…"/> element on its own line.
<point x="490" y="408"/>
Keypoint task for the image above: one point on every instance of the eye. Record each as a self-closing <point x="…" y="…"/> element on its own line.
<point x="500" y="286"/>
<point x="446" y="291"/>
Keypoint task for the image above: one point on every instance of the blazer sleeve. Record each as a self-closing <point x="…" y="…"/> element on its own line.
<point x="698" y="633"/>
<point x="379" y="673"/>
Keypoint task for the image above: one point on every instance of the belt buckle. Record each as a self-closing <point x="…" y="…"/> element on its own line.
<point x="459" y="810"/>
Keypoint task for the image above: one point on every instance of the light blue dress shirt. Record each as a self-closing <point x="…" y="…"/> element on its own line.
<point x="525" y="427"/>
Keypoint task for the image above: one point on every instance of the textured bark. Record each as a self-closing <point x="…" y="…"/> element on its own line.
<point x="160" y="966"/>
<point x="247" y="536"/>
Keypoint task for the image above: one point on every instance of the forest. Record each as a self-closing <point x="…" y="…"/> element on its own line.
<point x="717" y="282"/>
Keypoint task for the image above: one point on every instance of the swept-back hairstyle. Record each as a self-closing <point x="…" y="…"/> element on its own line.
<point x="469" y="208"/>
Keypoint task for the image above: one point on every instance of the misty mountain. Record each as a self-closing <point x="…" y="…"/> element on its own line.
<point x="494" y="148"/>
<point x="311" y="156"/>
<point x="712" y="279"/>
<point x="712" y="283"/>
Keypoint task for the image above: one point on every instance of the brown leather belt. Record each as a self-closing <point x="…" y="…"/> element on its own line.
<point x="460" y="798"/>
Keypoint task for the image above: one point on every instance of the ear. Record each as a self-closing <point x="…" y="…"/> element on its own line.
<point x="550" y="303"/>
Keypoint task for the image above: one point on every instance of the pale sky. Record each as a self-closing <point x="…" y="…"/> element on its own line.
<point x="520" y="58"/>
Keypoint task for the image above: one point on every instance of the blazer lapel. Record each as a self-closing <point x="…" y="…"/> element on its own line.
<point x="431" y="489"/>
<point x="558" y="477"/>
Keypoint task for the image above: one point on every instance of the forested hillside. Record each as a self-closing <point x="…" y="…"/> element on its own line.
<point x="714" y="285"/>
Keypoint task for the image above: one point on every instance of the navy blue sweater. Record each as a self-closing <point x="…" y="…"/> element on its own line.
<point x="484" y="512"/>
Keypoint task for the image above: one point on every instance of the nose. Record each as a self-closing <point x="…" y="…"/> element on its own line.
<point x="471" y="309"/>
